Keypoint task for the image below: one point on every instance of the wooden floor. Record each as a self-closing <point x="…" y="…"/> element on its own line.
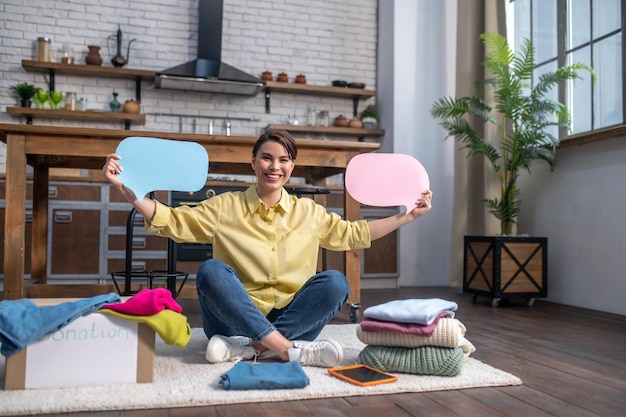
<point x="572" y="363"/>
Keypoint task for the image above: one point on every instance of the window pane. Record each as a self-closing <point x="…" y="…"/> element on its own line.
<point x="592" y="35"/>
<point x="578" y="24"/>
<point x="544" y="29"/>
<point x="607" y="62"/>
<point x="606" y="17"/>
<point x="579" y="93"/>
<point x="552" y="94"/>
<point x="522" y="21"/>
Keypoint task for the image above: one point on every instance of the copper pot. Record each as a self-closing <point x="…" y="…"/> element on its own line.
<point x="267" y="76"/>
<point x="282" y="78"/>
<point x="300" y="79"/>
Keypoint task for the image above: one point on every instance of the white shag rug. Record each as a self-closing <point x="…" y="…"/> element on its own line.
<point x="183" y="378"/>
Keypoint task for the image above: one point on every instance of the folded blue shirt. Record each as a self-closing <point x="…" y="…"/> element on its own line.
<point x="273" y="375"/>
<point x="23" y="322"/>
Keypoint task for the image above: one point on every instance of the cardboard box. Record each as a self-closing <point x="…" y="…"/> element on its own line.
<point x="97" y="349"/>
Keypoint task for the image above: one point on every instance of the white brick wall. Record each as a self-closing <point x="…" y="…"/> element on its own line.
<point x="323" y="39"/>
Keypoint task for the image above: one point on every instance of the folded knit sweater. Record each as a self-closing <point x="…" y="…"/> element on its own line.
<point x="425" y="360"/>
<point x="448" y="333"/>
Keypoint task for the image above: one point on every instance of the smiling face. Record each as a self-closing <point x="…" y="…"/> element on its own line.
<point x="272" y="166"/>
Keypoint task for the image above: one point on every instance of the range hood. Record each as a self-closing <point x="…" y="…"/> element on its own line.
<point x="207" y="73"/>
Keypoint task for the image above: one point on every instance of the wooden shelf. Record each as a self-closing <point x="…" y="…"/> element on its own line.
<point x="317" y="90"/>
<point x="52" y="68"/>
<point x="356" y="94"/>
<point x="331" y="131"/>
<point x="88" y="70"/>
<point x="29" y="113"/>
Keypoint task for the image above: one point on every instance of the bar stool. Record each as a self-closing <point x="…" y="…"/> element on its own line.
<point x="171" y="276"/>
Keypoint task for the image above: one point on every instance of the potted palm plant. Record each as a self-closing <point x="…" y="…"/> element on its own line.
<point x="524" y="117"/>
<point x="25" y="91"/>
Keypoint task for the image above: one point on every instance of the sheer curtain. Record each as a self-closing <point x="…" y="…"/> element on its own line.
<point x="429" y="49"/>
<point x="473" y="178"/>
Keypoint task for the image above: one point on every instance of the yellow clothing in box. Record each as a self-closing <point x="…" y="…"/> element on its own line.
<point x="170" y="325"/>
<point x="256" y="241"/>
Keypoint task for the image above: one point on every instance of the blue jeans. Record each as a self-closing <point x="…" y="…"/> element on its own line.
<point x="227" y="309"/>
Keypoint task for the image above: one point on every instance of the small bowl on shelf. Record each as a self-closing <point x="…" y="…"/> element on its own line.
<point x="356" y="85"/>
<point x="340" y="83"/>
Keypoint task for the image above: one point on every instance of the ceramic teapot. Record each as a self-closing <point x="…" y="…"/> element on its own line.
<point x="341" y="121"/>
<point x="356" y="123"/>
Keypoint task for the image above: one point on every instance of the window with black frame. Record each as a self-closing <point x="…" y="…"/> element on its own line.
<point x="588" y="31"/>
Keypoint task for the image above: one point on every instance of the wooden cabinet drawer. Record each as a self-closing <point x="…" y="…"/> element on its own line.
<point x="138" y="264"/>
<point x="120" y="218"/>
<point x="74" y="192"/>
<point x="140" y="243"/>
<point x="75" y="243"/>
<point x="116" y="197"/>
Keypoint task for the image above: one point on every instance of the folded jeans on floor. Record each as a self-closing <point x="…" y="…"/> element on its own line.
<point x="275" y="375"/>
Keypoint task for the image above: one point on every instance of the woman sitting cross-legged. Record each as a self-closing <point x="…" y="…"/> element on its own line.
<point x="260" y="294"/>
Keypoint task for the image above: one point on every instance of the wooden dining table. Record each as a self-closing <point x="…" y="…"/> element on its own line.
<point x="44" y="147"/>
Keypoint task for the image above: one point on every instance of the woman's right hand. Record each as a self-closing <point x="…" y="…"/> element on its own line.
<point x="111" y="170"/>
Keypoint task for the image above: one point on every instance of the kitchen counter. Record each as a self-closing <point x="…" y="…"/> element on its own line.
<point x="45" y="147"/>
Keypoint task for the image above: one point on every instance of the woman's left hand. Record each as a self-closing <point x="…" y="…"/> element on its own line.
<point x="423" y="205"/>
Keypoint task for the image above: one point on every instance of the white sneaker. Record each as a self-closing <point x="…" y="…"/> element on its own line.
<point x="268" y="355"/>
<point x="229" y="349"/>
<point x="323" y="353"/>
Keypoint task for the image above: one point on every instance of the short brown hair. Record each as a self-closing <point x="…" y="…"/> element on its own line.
<point x="279" y="136"/>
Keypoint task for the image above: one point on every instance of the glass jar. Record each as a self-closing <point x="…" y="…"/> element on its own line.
<point x="323" y="118"/>
<point x="70" y="101"/>
<point x="44" y="44"/>
<point x="226" y="126"/>
<point x="67" y="54"/>
<point x="311" y="116"/>
<point x="82" y="104"/>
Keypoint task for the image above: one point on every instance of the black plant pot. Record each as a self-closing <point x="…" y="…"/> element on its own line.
<point x="26" y="102"/>
<point x="505" y="267"/>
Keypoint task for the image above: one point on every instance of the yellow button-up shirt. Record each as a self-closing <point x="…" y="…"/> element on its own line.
<point x="274" y="251"/>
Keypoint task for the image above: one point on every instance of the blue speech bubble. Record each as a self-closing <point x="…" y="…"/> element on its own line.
<point x="151" y="164"/>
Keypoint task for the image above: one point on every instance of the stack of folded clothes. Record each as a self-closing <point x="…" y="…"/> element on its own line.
<point x="415" y="336"/>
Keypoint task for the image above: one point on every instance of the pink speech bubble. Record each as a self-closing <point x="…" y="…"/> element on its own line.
<point x="386" y="179"/>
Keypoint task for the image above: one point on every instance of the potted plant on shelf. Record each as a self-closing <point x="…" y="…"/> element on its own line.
<point x="369" y="117"/>
<point x="26" y="92"/>
<point x="524" y="118"/>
